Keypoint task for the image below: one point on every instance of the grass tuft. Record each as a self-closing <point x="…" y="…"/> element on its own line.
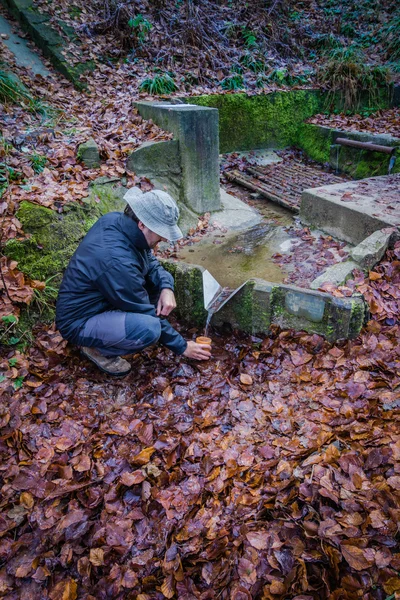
<point x="233" y="82"/>
<point x="158" y="85"/>
<point x="346" y="72"/>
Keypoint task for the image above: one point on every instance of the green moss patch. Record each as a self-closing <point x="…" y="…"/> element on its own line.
<point x="53" y="237"/>
<point x="274" y="120"/>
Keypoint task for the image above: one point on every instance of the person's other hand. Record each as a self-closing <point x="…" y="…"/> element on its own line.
<point x="197" y="351"/>
<point x="166" y="303"/>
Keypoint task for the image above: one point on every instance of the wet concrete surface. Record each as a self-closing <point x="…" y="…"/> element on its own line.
<point x="232" y="259"/>
<point x="24" y="56"/>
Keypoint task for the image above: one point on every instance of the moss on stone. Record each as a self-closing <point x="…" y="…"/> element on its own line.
<point x="315" y="141"/>
<point x="319" y="144"/>
<point x="359" y="314"/>
<point x="188" y="291"/>
<point x="51" y="43"/>
<point x="269" y="120"/>
<point x="275" y="120"/>
<point x="53" y="237"/>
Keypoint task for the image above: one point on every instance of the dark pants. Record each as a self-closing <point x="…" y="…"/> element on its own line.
<point x="115" y="332"/>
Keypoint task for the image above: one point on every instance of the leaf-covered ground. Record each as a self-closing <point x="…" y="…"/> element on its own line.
<point x="203" y="45"/>
<point x="272" y="472"/>
<point x="384" y="121"/>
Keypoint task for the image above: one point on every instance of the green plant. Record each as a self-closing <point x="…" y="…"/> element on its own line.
<point x="141" y="28"/>
<point x="326" y="41"/>
<point x="44" y="299"/>
<point x="252" y="63"/>
<point x="391" y="33"/>
<point x="348" y="30"/>
<point x="235" y="68"/>
<point x="278" y="75"/>
<point x="345" y="71"/>
<point x="295" y="16"/>
<point x="394" y="66"/>
<point x="11" y="90"/>
<point x="18" y="382"/>
<point x="38" y="162"/>
<point x="9" y="322"/>
<point x="158" y="85"/>
<point x="5" y="147"/>
<point x="249" y="37"/>
<point x="233" y="82"/>
<point x="8" y="173"/>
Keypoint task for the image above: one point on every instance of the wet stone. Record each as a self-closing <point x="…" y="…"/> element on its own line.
<point x="304" y="305"/>
<point x="371" y="250"/>
<point x="89" y="154"/>
<point x="337" y="274"/>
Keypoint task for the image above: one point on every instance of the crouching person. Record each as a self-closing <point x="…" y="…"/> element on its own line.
<point x="115" y="295"/>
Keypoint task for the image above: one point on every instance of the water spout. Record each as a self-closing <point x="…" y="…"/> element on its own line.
<point x="392" y="162"/>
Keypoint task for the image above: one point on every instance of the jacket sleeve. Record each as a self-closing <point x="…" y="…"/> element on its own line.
<point x="158" y="277"/>
<point x="123" y="286"/>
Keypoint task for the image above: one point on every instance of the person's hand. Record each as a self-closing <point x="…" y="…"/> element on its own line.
<point x="197" y="351"/>
<point x="166" y="303"/>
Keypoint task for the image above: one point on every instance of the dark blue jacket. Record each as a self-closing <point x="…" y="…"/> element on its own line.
<point x="113" y="269"/>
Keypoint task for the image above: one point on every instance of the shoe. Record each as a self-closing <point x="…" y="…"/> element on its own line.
<point x="112" y="365"/>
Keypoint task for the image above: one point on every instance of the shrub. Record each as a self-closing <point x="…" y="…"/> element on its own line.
<point x="391" y="33"/>
<point x="159" y="85"/>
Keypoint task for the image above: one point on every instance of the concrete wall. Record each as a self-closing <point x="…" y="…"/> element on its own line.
<point x="196" y="130"/>
<point x="320" y="144"/>
<point x="272" y="120"/>
<point x="258" y="304"/>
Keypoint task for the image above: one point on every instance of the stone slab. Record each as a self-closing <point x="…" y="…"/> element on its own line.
<point x="317" y="312"/>
<point x="260" y="157"/>
<point x="24" y="56"/>
<point x="336" y="274"/>
<point x="353" y="210"/>
<point x="196" y="129"/>
<point x="371" y="250"/>
<point x="235" y="215"/>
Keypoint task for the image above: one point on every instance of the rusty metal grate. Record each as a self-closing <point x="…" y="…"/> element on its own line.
<point x="283" y="182"/>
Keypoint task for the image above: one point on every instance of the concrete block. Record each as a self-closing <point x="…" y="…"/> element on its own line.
<point x="89" y="154"/>
<point x="336" y="274"/>
<point x="317" y="312"/>
<point x="235" y="214"/>
<point x="257" y="304"/>
<point x="188" y="291"/>
<point x="371" y="250"/>
<point x="161" y="163"/>
<point x="248" y="309"/>
<point x="196" y="129"/>
<point x="155" y="158"/>
<point x="352" y="210"/>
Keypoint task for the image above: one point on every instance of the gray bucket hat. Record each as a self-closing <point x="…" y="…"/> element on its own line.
<point x="157" y="210"/>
